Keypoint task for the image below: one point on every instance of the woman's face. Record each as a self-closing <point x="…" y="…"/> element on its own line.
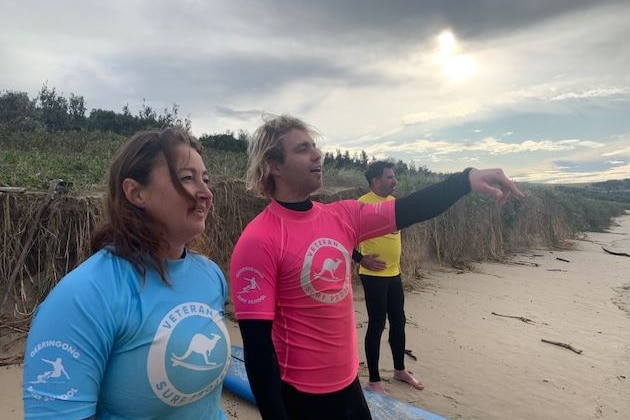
<point x="180" y="219"/>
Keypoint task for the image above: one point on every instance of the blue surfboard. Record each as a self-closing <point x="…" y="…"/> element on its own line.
<point x="236" y="378"/>
<point x="382" y="407"/>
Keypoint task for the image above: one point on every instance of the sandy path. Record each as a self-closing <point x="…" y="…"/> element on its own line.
<point x="476" y="365"/>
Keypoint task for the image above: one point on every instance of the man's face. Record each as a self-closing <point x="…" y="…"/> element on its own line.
<point x="301" y="172"/>
<point x="385" y="184"/>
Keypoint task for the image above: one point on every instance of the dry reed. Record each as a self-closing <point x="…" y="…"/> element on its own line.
<point x="473" y="229"/>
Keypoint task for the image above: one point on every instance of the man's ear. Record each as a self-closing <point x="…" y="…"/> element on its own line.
<point x="133" y="192"/>
<point x="274" y="168"/>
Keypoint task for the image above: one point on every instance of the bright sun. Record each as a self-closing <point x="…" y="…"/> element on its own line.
<point x="457" y="67"/>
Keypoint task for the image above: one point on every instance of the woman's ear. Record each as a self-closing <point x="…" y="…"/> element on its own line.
<point x="133" y="192"/>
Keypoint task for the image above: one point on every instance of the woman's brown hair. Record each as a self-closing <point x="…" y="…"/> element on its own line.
<point x="129" y="231"/>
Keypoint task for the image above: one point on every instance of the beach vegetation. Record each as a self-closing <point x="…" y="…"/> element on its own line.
<point x="53" y="162"/>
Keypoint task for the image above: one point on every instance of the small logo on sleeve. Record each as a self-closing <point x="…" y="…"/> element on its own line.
<point x="55" y="372"/>
<point x="50" y="355"/>
<point x="250" y="291"/>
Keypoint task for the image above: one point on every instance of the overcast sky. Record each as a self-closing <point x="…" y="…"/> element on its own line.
<point x="540" y="88"/>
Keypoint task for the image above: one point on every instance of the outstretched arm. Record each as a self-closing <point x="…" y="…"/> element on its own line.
<point x="433" y="200"/>
<point x="262" y="368"/>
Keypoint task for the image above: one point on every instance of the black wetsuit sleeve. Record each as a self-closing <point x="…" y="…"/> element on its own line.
<point x="431" y="201"/>
<point x="262" y="368"/>
<point x="356" y="256"/>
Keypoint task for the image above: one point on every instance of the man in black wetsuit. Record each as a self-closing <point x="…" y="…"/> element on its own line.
<point x="379" y="270"/>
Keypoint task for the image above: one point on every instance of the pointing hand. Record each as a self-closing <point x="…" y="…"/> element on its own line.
<point x="493" y="183"/>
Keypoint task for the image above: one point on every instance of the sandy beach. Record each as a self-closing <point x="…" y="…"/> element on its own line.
<point x="477" y="338"/>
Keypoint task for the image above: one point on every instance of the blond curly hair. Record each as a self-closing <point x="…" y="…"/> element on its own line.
<point x="266" y="148"/>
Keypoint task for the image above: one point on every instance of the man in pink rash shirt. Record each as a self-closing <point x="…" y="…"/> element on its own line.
<point x="306" y="276"/>
<point x="290" y="273"/>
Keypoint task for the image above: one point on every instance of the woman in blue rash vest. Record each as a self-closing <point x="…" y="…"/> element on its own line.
<point x="136" y="330"/>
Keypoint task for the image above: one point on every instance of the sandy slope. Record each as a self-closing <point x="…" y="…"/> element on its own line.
<point x="481" y="366"/>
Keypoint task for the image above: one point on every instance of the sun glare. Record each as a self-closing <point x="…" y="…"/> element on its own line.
<point x="456" y="66"/>
<point x="447" y="42"/>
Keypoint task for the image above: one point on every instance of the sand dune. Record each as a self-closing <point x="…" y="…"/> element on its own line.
<point x="480" y="365"/>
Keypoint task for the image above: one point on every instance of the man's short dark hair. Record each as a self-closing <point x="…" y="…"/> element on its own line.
<point x="376" y="168"/>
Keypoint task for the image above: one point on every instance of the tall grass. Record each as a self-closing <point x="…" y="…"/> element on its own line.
<point x="32" y="160"/>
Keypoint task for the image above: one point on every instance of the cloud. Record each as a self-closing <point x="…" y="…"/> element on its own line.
<point x="617" y="152"/>
<point x="593" y="93"/>
<point x="488" y="145"/>
<point x="560" y="176"/>
<point x="369" y="74"/>
<point x="241" y="115"/>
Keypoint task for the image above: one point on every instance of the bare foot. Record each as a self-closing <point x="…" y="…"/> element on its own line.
<point x="376" y="387"/>
<point x="405" y="376"/>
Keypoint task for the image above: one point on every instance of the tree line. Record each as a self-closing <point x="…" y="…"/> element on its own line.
<point x="54" y="112"/>
<point x="51" y="111"/>
<point x="611" y="190"/>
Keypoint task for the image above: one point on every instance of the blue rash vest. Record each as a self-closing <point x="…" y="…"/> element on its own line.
<point x="106" y="343"/>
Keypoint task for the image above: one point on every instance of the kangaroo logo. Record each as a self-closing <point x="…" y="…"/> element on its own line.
<point x="187" y="357"/>
<point x="333" y="260"/>
<point x="201" y="345"/>
<point x="329" y="266"/>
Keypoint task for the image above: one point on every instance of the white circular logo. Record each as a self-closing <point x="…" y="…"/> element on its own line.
<point x="196" y="357"/>
<point x="327" y="263"/>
